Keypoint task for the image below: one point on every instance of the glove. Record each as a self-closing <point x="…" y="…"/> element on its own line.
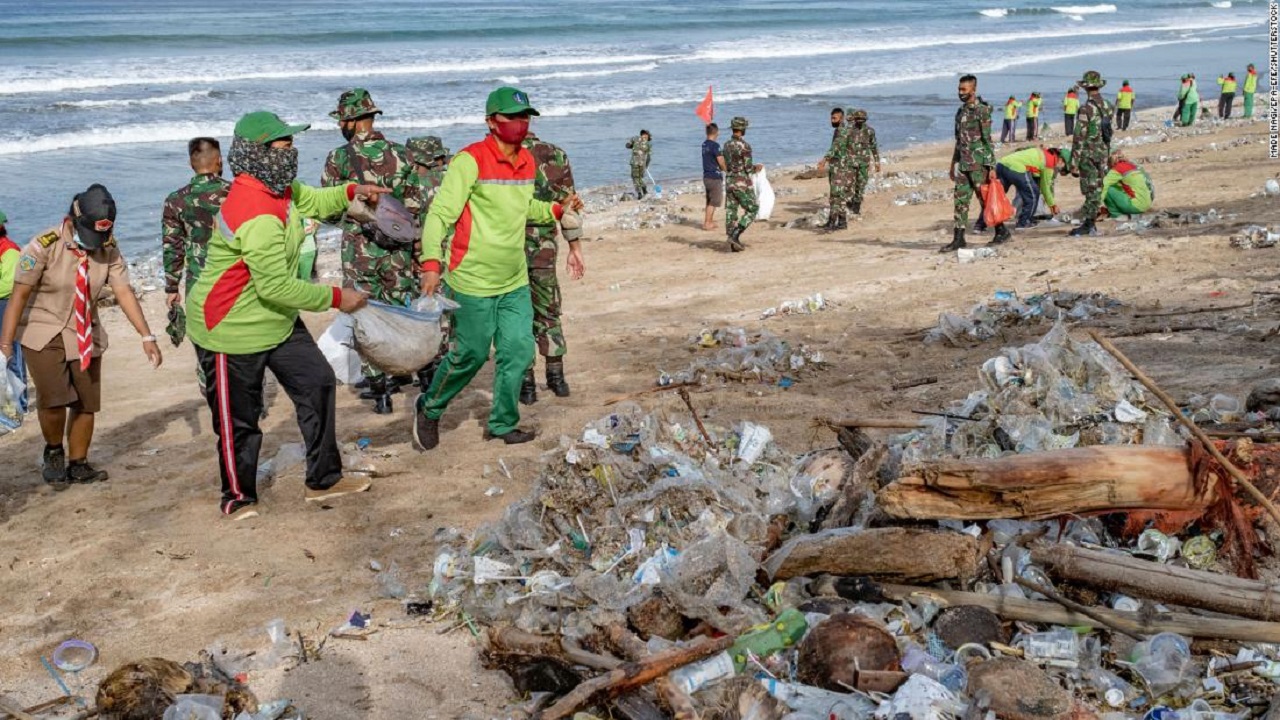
<point x="571" y="225"/>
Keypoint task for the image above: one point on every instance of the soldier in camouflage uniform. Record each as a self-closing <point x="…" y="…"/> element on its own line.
<point x="839" y="177"/>
<point x="863" y="151"/>
<point x="553" y="183"/>
<point x="1090" y="147"/>
<point x="430" y="159"/>
<point x="639" y="147"/>
<point x="388" y="274"/>
<point x="187" y="222"/>
<point x="974" y="159"/>
<point x="740" y="195"/>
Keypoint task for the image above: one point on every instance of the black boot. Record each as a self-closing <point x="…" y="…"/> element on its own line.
<point x="379" y="387"/>
<point x="735" y="240"/>
<point x="957" y="242"/>
<point x="1002" y="235"/>
<point x="381" y="395"/>
<point x="528" y="388"/>
<point x="555" y="377"/>
<point x="842" y="222"/>
<point x="855" y="207"/>
<point x="1085" y="230"/>
<point x="831" y="221"/>
<point x="427" y="374"/>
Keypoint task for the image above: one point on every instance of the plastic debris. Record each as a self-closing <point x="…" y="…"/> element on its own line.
<point x="739" y="356"/>
<point x="806" y="306"/>
<point x="1006" y="309"/>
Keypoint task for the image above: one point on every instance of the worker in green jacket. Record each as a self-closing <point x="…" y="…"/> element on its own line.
<point x="1009" y="133"/>
<point x="1188" y="100"/>
<point x="1033" y="117"/>
<point x="9" y="254"/>
<point x="1070" y="108"/>
<point x="1124" y="106"/>
<point x="1227" y="97"/>
<point x="1032" y="171"/>
<point x="1250" y="87"/>
<point x="1126" y="188"/>
<point x="243" y="313"/>
<point x="487" y="198"/>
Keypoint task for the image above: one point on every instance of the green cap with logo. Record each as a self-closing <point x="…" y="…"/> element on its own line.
<point x="263" y="127"/>
<point x="425" y="149"/>
<point x="354" y="104"/>
<point x="1092" y="79"/>
<point x="3" y="218"/>
<point x="508" y="101"/>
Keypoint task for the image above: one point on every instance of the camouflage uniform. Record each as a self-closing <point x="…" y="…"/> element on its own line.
<point x="863" y="150"/>
<point x="430" y="160"/>
<point x="388" y="276"/>
<point x="740" y="195"/>
<point x="1089" y="154"/>
<point x="973" y="157"/>
<point x="839" y="170"/>
<point x="554" y="183"/>
<point x="187" y="223"/>
<point x="639" y="147"/>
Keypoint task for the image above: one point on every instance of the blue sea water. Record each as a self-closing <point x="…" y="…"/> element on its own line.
<point x="110" y="90"/>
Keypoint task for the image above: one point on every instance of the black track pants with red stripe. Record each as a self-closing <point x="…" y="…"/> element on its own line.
<point x="233" y="388"/>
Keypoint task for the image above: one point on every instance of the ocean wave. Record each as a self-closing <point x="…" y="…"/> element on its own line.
<point x="119" y="135"/>
<point x="569" y="74"/>
<point x="181" y="76"/>
<point x="158" y="100"/>
<point x="1085" y="9"/>
<point x="1221" y="5"/>
<point x="995" y="12"/>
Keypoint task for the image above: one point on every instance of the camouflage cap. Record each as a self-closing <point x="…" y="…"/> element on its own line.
<point x="738" y="123"/>
<point x="354" y="103"/>
<point x="425" y="149"/>
<point x="1092" y="79"/>
<point x="859" y="114"/>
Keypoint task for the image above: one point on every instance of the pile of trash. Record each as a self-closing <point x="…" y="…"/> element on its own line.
<point x="921" y="198"/>
<point x="1053" y="394"/>
<point x="644" y="215"/>
<point x="1005" y="309"/>
<point x="1254" y="236"/>
<point x="739" y="356"/>
<point x="806" y="306"/>
<point x="748" y="580"/>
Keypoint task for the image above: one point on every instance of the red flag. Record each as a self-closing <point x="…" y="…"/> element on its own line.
<point x="707" y="108"/>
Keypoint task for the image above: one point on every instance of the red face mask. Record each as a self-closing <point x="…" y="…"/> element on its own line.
<point x="512" y="132"/>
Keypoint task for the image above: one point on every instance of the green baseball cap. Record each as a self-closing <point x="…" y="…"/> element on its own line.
<point x="263" y="127"/>
<point x="508" y="101"/>
<point x="3" y="218"/>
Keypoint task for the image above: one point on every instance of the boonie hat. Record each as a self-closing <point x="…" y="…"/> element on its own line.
<point x="93" y="213"/>
<point x="508" y="101"/>
<point x="355" y="103"/>
<point x="263" y="127"/>
<point x="425" y="149"/>
<point x="1093" y="78"/>
<point x="738" y="123"/>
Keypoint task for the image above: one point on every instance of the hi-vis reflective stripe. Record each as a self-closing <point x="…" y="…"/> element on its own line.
<point x="228" y="233"/>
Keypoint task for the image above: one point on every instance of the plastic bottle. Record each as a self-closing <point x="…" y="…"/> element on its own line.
<point x="951" y="676"/>
<point x="1058" y="646"/>
<point x="1111" y="687"/>
<point x="695" y="676"/>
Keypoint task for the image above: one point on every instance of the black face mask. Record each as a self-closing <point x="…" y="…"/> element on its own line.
<point x="835" y="123"/>
<point x="348" y="132"/>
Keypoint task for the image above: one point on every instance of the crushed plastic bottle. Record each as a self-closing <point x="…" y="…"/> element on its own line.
<point x="1156" y="544"/>
<point x="951" y="676"/>
<point x="695" y="676"/>
<point x="1059" y="647"/>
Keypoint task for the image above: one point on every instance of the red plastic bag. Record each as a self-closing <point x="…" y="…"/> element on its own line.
<point x="996" y="207"/>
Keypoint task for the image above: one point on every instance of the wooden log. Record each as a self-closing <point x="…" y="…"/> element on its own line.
<point x="1125" y="574"/>
<point x="633" y="648"/>
<point x="507" y="640"/>
<point x="901" y="554"/>
<point x="1138" y="623"/>
<point x="1047" y="484"/>
<point x="633" y="675"/>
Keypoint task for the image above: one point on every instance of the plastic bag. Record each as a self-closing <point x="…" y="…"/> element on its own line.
<point x="338" y="344"/>
<point x="764" y="195"/>
<point x="996" y="207"/>
<point x="398" y="340"/>
<point x="13" y="400"/>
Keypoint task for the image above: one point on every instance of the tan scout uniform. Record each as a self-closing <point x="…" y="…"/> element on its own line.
<point x="48" y="327"/>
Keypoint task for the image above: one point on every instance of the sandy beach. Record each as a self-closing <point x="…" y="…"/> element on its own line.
<point x="143" y="565"/>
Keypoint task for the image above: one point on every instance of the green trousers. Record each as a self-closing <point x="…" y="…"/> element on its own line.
<point x="502" y="323"/>
<point x="1248" y="105"/>
<point x="1119" y="203"/>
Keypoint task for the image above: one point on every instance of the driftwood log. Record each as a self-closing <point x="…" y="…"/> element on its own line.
<point x="1138" y="623"/>
<point x="1164" y="583"/>
<point x="901" y="554"/>
<point x="635" y="649"/>
<point x="633" y="675"/>
<point x="1046" y="484"/>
